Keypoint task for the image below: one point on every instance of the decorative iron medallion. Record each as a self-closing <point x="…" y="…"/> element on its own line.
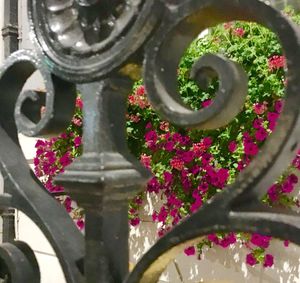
<point x="86" y="39"/>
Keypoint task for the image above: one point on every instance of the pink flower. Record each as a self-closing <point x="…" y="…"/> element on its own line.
<point x="153" y="185"/>
<point x="151" y="139"/>
<point x="168" y="177"/>
<point x="196" y="205"/>
<point x="228" y="240"/>
<point x="65" y="159"/>
<point x="206" y="103"/>
<point x="162" y="215"/>
<point x="68" y="204"/>
<point x="260" y="108"/>
<point x="272" y="116"/>
<point x="276" y="62"/>
<point x="261" y="134"/>
<point x="268" y="261"/>
<point x="293" y="178"/>
<point x="135" y="221"/>
<point x="203" y="187"/>
<point x="251" y="148"/>
<point x="260" y="240"/>
<point x="239" y="32"/>
<point x="222" y="175"/>
<point x="36" y="161"/>
<point x="250" y="259"/>
<point x="39" y="143"/>
<point x="149" y="125"/>
<point x="213" y="238"/>
<point x="278" y="106"/>
<point x="273" y="193"/>
<point x="232" y="146"/>
<point x="134" y="118"/>
<point x="257" y="123"/>
<point x="207" y="141"/>
<point x="79" y="103"/>
<point x="77" y="141"/>
<point x="190" y="251"/>
<point x="80" y="224"/>
<point x="146" y="160"/>
<point x="140" y="90"/>
<point x="169" y="146"/>
<point x="77" y="122"/>
<point x="187" y="156"/>
<point x="177" y="163"/>
<point x="164" y="126"/>
<point x="287" y="187"/>
<point x="286" y="243"/>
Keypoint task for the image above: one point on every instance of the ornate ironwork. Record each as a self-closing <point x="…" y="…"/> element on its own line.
<point x="99" y="48"/>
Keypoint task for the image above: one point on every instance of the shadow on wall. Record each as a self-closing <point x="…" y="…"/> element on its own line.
<point x="218" y="265"/>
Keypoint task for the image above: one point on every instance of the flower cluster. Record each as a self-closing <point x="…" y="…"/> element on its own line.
<point x="53" y="155"/>
<point x="190" y="166"/>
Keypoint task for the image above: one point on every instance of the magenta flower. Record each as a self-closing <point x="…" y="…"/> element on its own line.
<point x="213" y="238"/>
<point x="196" y="205"/>
<point x="272" y="116"/>
<point x="287" y="187"/>
<point x="40" y="143"/>
<point x="260" y="240"/>
<point x="135" y="221"/>
<point x="223" y="175"/>
<point x="169" y="146"/>
<point x="250" y="148"/>
<point x="261" y="134"/>
<point x="80" y="224"/>
<point x="232" y="146"/>
<point x="168" y="177"/>
<point x="278" y="106"/>
<point x="187" y="156"/>
<point x="190" y="251"/>
<point x="257" y="123"/>
<point x="227" y="240"/>
<point x="77" y="141"/>
<point x="293" y="179"/>
<point x="162" y="215"/>
<point x="286" y="243"/>
<point x="203" y="187"/>
<point x="206" y="103"/>
<point x="153" y="186"/>
<point x="268" y="261"/>
<point x="273" y="193"/>
<point x="250" y="259"/>
<point x="207" y="141"/>
<point x="65" y="160"/>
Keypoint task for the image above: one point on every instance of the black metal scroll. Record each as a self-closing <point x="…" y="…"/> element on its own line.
<point x="100" y="46"/>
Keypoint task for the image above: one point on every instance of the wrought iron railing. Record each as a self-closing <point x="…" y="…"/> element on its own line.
<point x="100" y="48"/>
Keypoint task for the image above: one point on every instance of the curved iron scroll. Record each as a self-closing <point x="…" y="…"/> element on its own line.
<point x="99" y="45"/>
